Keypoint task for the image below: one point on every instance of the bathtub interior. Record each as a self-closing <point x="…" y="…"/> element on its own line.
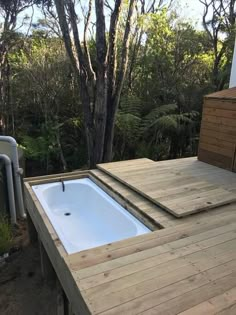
<point x="84" y="216"/>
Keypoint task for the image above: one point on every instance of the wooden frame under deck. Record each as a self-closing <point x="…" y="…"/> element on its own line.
<point x="188" y="265"/>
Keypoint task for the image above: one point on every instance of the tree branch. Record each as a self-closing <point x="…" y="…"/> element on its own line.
<point x="100" y="32"/>
<point x="124" y="52"/>
<point x="66" y="34"/>
<point x="86" y="50"/>
<point x="112" y="59"/>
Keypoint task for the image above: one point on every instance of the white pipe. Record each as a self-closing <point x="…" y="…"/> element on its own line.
<point x="17" y="171"/>
<point x="10" y="187"/>
<point x="232" y="82"/>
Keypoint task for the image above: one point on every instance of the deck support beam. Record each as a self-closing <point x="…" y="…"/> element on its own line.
<point x="63" y="305"/>
<point x="32" y="232"/>
<point x="47" y="269"/>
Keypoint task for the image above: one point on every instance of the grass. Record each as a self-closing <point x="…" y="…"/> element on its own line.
<point x="6" y="237"/>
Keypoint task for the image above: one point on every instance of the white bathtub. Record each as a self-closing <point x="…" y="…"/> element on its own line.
<point x="84" y="216"/>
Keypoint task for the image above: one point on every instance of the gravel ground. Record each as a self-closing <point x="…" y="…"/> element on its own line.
<point x="22" y="289"/>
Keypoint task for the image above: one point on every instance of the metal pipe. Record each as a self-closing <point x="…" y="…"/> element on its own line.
<point x="10" y="187"/>
<point x="17" y="172"/>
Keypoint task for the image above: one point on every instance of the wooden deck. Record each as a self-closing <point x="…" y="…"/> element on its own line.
<point x="188" y="266"/>
<point x="180" y="188"/>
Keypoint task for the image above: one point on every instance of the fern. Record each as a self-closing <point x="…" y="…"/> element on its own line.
<point x="128" y="125"/>
<point x="131" y="105"/>
<point x="153" y="117"/>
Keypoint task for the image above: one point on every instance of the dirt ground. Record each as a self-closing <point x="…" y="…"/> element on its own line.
<point x="22" y="289"/>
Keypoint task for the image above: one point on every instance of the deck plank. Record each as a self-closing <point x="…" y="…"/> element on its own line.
<point x="188" y="266"/>
<point x="214" y="305"/>
<point x="194" y="297"/>
<point x="109" y="252"/>
<point x="193" y="190"/>
<point x="155" y="256"/>
<point x="151" y="299"/>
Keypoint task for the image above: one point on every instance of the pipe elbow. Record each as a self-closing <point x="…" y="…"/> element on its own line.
<point x="6" y="159"/>
<point x="9" y="139"/>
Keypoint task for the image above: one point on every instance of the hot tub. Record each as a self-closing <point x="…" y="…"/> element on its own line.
<point x="84" y="216"/>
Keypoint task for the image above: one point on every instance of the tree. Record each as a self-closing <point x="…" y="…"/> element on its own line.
<point x="219" y="23"/>
<point x="41" y="85"/>
<point x="100" y="80"/>
<point x="9" y="12"/>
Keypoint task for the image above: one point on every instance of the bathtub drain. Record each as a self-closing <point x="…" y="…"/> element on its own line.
<point x="67" y="213"/>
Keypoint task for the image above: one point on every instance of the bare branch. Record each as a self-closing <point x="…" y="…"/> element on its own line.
<point x="124" y="52"/>
<point x="108" y="5"/>
<point x="66" y="33"/>
<point x="112" y="62"/>
<point x="87" y="21"/>
<point x="31" y="21"/>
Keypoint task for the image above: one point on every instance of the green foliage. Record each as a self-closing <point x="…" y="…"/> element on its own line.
<point x="47" y="111"/>
<point x="35" y="148"/>
<point x="160" y="109"/>
<point x="162" y="133"/>
<point x="6" y="237"/>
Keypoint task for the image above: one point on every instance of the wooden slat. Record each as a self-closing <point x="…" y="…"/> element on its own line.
<point x="154" y="256"/>
<point x="217" y="148"/>
<point x="54" y="248"/>
<point x="214" y="158"/>
<point x="86" y="260"/>
<point x="218" y="128"/>
<point x="219" y="120"/>
<point x="213" y="140"/>
<point x="194" y="297"/>
<point x="220" y="103"/>
<point x="227" y="94"/>
<point x="181" y="268"/>
<point x="159" y="281"/>
<point x="214" y="305"/>
<point x="174" y="190"/>
<point x="221" y="136"/>
<point x="225" y="113"/>
<point x="139" y="301"/>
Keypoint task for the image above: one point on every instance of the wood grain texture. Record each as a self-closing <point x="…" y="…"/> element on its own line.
<point x="224" y="94"/>
<point x="187" y="267"/>
<point x="171" y="188"/>
<point x="218" y="129"/>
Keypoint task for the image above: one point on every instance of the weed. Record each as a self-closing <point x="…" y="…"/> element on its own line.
<point x="6" y="237"/>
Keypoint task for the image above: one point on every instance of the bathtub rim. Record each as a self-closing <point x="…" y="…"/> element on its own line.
<point x="58" y="256"/>
<point x="137" y="212"/>
<point x="70" y="245"/>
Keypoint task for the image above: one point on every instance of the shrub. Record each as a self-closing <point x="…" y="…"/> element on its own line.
<point x="5" y="235"/>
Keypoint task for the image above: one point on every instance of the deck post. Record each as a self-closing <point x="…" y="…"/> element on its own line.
<point x="60" y="299"/>
<point x="47" y="269"/>
<point x="67" y="306"/>
<point x="32" y="232"/>
<point x="63" y="305"/>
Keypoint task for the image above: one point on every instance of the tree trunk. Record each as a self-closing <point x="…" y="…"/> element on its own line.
<point x="110" y="126"/>
<point x="3" y="96"/>
<point x="99" y="90"/>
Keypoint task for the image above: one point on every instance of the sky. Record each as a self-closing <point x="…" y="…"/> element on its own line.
<point x="191" y="9"/>
<point x="187" y="9"/>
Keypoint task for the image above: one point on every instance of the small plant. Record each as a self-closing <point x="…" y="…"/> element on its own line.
<point x="6" y="237"/>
